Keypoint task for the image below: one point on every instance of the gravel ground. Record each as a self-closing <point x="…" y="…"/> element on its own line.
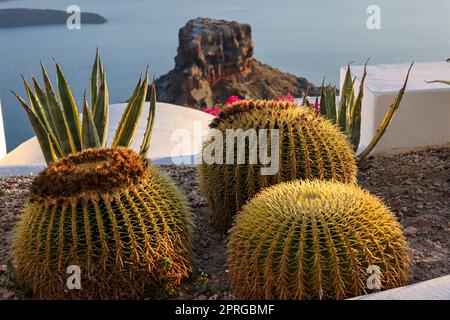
<point x="416" y="186"/>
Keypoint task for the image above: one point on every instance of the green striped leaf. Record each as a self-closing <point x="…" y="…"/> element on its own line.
<point x="355" y="113"/>
<point x="126" y="133"/>
<point x="101" y="112"/>
<point x="305" y="102"/>
<point x="346" y="93"/>
<point x="94" y="80"/>
<point x="323" y="107"/>
<point x="57" y="116"/>
<point x="41" y="134"/>
<point x="329" y="100"/>
<point x="128" y="122"/>
<point x="37" y="109"/>
<point x="69" y="108"/>
<point x="90" y="137"/>
<point x="386" y="119"/>
<point x="150" y="121"/>
<point x="42" y="97"/>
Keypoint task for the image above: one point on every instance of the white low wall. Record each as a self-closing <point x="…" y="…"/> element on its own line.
<point x="176" y="138"/>
<point x="2" y="135"/>
<point x="435" y="289"/>
<point x="423" y="119"/>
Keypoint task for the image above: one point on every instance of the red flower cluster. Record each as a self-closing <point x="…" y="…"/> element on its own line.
<point x="232" y="99"/>
<point x="289" y="98"/>
<point x="212" y="111"/>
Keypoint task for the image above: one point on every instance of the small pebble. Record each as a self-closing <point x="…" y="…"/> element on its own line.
<point x="410" y="231"/>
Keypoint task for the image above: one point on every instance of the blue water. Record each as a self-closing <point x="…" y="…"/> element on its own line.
<point x="309" y="38"/>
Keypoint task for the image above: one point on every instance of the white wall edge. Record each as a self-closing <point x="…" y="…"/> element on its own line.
<point x="2" y="135"/>
<point x="435" y="289"/>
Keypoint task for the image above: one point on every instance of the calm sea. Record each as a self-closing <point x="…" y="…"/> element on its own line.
<point x="310" y="38"/>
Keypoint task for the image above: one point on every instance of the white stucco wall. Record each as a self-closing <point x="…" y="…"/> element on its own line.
<point x="173" y="125"/>
<point x="435" y="289"/>
<point x="423" y="119"/>
<point x="2" y="135"/>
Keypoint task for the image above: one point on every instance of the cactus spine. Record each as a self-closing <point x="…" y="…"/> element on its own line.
<point x="310" y="147"/>
<point x="314" y="240"/>
<point x="110" y="212"/>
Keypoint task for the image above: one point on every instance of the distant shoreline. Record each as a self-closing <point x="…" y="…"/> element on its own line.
<point x="13" y="18"/>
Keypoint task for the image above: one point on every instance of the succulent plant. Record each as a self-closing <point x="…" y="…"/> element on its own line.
<point x="315" y="240"/>
<point x="112" y="214"/>
<point x="310" y="147"/>
<point x="57" y="124"/>
<point x="348" y="117"/>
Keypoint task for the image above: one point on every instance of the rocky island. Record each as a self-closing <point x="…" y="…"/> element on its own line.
<point x="11" y="18"/>
<point x="215" y="60"/>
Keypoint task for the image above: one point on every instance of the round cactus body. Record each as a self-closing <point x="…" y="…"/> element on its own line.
<point x="110" y="216"/>
<point x="309" y="147"/>
<point x="315" y="240"/>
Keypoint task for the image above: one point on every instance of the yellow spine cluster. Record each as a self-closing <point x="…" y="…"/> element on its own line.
<point x="310" y="147"/>
<point x="314" y="240"/>
<point x="126" y="240"/>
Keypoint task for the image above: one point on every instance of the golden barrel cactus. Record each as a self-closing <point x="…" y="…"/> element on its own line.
<point x="309" y="147"/>
<point x="109" y="212"/>
<point x="315" y="240"/>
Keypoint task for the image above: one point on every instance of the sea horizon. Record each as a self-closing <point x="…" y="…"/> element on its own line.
<point x="308" y="38"/>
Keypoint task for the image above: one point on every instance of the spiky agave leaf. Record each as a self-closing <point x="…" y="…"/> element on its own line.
<point x="39" y="112"/>
<point x="305" y="102"/>
<point x="314" y="240"/>
<point x="150" y="121"/>
<point x="350" y="108"/>
<point x="69" y="108"/>
<point x="128" y="108"/>
<point x="386" y="119"/>
<point x="43" y="100"/>
<point x="100" y="102"/>
<point x="354" y="130"/>
<point x="94" y="80"/>
<point x="346" y="97"/>
<point x="57" y="115"/>
<point x="41" y="134"/>
<point x="328" y="103"/>
<point x="60" y="118"/>
<point x="90" y="137"/>
<point x="129" y="121"/>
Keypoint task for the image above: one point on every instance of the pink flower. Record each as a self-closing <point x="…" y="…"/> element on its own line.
<point x="289" y="97"/>
<point x="212" y="111"/>
<point x="231" y="100"/>
<point x="313" y="105"/>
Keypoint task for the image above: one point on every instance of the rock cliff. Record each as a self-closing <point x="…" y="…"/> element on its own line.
<point x="215" y="60"/>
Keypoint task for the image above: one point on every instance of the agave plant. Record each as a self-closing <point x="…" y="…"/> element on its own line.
<point x="348" y="115"/>
<point x="56" y="122"/>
